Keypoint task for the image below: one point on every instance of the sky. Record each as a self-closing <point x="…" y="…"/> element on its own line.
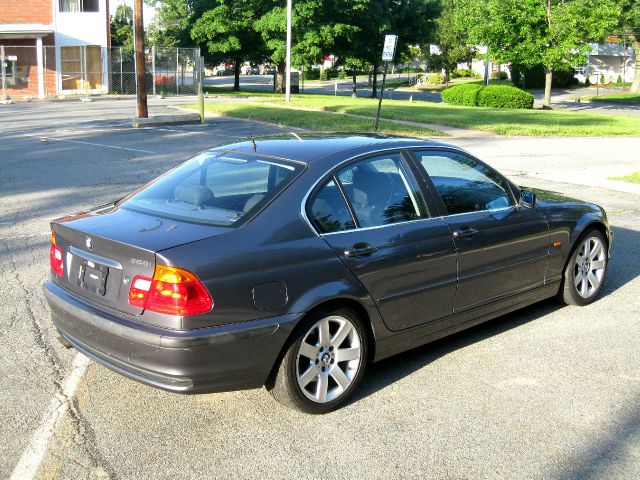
<point x="147" y="13"/>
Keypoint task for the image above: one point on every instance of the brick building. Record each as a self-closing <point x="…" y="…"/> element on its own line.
<point x="53" y="46"/>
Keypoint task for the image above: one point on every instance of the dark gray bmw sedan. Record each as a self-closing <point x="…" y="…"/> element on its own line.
<point x="292" y="262"/>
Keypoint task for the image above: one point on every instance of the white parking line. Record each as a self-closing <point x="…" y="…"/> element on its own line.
<point x="87" y="143"/>
<point x="33" y="455"/>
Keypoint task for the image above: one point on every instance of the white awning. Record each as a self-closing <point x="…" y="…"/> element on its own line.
<point x="25" y="30"/>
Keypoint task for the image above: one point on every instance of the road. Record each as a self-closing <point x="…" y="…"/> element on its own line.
<point x="344" y="87"/>
<point x="550" y="392"/>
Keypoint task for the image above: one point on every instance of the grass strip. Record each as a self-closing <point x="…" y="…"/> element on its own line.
<point x="631" y="178"/>
<point x="325" y="122"/>
<point x="620" y="98"/>
<point x="499" y="121"/>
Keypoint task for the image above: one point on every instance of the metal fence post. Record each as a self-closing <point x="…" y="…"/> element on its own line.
<point x="121" y="74"/>
<point x="4" y="74"/>
<point x="200" y="82"/>
<point x="177" y="68"/>
<point x="85" y="76"/>
<point x="153" y="69"/>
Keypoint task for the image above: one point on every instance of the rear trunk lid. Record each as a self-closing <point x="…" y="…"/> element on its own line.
<point x="106" y="248"/>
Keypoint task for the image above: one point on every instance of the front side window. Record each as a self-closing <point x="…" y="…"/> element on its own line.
<point x="79" y="5"/>
<point x="215" y="188"/>
<point x="464" y="184"/>
<point x="382" y="191"/>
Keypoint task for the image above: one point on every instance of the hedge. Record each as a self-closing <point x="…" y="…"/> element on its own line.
<point x="465" y="94"/>
<point x="494" y="96"/>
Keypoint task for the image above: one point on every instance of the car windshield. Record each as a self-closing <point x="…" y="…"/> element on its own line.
<point x="215" y="188"/>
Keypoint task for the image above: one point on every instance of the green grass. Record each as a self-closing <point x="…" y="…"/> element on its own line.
<point x="326" y="122"/>
<point x="622" y="98"/>
<point x="500" y="121"/>
<point x="631" y="178"/>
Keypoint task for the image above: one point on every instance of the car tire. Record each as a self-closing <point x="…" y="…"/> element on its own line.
<point x="324" y="362"/>
<point x="586" y="269"/>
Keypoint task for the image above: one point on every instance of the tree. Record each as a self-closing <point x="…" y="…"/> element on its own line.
<point x="630" y="25"/>
<point x="227" y="33"/>
<point x="412" y="20"/>
<point x="552" y="33"/>
<point x="121" y="26"/>
<point x="318" y="27"/>
<point x="452" y="38"/>
<point x="171" y="24"/>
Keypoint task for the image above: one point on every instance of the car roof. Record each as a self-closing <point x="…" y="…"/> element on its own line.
<point x="310" y="147"/>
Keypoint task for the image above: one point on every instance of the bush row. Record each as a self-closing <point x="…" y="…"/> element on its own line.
<point x="494" y="96"/>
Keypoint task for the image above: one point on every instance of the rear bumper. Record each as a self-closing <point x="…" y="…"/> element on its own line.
<point x="212" y="359"/>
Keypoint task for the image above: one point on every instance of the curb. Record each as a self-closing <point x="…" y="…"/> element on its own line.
<point x="160" y="120"/>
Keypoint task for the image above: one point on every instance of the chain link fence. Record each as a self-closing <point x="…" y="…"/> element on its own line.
<point x="29" y="72"/>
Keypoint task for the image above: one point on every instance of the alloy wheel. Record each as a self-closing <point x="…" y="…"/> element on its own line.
<point x="328" y="359"/>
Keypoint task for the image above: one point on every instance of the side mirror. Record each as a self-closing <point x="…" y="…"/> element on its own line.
<point x="527" y="199"/>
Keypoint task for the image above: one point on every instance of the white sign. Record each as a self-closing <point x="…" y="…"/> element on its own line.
<point x="389" y="49"/>
<point x="12" y="58"/>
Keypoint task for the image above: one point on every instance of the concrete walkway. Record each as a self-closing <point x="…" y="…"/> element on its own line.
<point x="450" y="132"/>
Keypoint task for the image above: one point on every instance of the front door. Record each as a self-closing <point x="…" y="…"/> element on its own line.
<point x="502" y="247"/>
<point x="373" y="216"/>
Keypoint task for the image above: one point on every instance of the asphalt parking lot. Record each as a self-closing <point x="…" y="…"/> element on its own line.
<point x="550" y="392"/>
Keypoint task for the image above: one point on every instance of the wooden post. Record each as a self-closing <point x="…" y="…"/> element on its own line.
<point x="141" y="80"/>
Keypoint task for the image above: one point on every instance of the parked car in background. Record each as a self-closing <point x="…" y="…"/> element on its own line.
<point x="293" y="262"/>
<point x="267" y="70"/>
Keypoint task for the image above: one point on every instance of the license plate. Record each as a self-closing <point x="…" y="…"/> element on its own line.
<point x="93" y="277"/>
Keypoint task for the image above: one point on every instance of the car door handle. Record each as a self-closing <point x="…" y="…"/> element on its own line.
<point x="360" y="250"/>
<point x="465" y="232"/>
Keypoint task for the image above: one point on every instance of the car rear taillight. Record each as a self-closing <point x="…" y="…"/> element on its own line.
<point x="55" y="257"/>
<point x="172" y="291"/>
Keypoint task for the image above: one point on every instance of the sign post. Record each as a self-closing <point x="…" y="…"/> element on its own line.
<point x="388" y="52"/>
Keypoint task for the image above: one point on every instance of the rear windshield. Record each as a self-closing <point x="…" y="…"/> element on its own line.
<point x="215" y="188"/>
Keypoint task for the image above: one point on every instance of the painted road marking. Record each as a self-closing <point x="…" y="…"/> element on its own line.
<point x="87" y="143"/>
<point x="33" y="455"/>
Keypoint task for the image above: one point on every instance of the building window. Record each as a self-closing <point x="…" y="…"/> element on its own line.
<point x="79" y="5"/>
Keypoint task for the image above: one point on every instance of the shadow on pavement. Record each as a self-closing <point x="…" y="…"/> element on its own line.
<point x="624" y="267"/>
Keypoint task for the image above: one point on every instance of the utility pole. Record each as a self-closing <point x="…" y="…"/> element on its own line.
<point x="287" y="96"/>
<point x="141" y="81"/>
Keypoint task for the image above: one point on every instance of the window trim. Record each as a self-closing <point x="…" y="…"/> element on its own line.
<point x="434" y="193"/>
<point x="331" y="173"/>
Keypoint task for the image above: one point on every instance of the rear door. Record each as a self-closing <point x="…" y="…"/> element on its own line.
<point x="373" y="215"/>
<point x="502" y="248"/>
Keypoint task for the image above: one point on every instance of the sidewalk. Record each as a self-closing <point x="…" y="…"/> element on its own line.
<point x="581" y="161"/>
<point x="450" y="132"/>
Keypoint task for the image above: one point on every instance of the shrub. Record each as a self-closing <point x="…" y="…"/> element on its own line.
<point x="465" y="94"/>
<point x="619" y="81"/>
<point x="503" y="75"/>
<point x="463" y="72"/>
<point x="435" y="78"/>
<point x="504" y="96"/>
<point x="534" y="77"/>
<point x="494" y="96"/>
<point x="311" y="73"/>
<point x="342" y="74"/>
<point x="324" y="75"/>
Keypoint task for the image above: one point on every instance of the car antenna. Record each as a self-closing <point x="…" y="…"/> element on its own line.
<point x="253" y="142"/>
<point x="296" y="135"/>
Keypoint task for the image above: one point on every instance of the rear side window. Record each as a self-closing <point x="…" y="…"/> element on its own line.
<point x="215" y="188"/>
<point x="382" y="191"/>
<point x="328" y="210"/>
